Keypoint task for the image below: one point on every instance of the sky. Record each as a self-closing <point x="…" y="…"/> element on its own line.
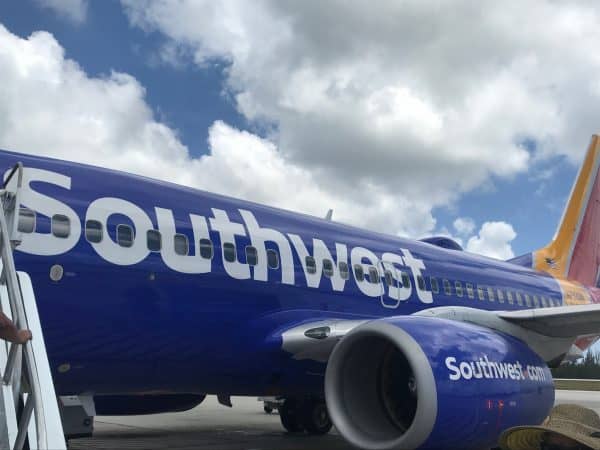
<point x="465" y="119"/>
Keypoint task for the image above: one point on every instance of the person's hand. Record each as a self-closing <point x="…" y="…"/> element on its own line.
<point x="23" y="336"/>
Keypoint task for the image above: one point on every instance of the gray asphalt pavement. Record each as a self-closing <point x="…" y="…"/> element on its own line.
<point x="243" y="427"/>
<point x="208" y="426"/>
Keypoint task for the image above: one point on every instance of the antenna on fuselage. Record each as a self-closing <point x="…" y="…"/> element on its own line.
<point x="329" y="215"/>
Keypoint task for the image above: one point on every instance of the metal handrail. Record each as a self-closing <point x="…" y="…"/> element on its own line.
<point x="17" y="168"/>
<point x="34" y="400"/>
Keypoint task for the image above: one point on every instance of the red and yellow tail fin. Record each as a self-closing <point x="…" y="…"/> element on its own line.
<point x="574" y="253"/>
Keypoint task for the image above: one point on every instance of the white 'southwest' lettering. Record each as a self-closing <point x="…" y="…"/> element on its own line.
<point x="46" y="244"/>
<point x="228" y="230"/>
<point x="258" y="237"/>
<point x="416" y="265"/>
<point x="357" y="255"/>
<point x="108" y="249"/>
<point x="101" y="209"/>
<point x="398" y="292"/>
<point x="182" y="263"/>
<point x="320" y="252"/>
<point x="492" y="370"/>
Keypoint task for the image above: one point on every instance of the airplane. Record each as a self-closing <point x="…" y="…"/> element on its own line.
<point x="152" y="295"/>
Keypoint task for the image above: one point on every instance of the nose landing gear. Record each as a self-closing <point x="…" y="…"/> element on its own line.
<point x="307" y="414"/>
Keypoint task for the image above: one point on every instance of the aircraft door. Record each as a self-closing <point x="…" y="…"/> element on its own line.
<point x="392" y="285"/>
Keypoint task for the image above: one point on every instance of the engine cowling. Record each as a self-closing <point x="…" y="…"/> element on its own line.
<point x="418" y="382"/>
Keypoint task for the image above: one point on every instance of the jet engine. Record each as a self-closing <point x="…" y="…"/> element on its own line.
<point x="417" y="382"/>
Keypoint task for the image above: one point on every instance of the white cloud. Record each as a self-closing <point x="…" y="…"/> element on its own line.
<point x="493" y="240"/>
<point x="49" y="106"/>
<point x="418" y="101"/>
<point x="73" y="10"/>
<point x="464" y="226"/>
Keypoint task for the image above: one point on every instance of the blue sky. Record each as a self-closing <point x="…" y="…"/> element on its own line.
<point x="208" y="85"/>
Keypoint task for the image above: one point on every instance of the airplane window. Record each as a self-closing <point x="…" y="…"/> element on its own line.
<point x="509" y="297"/>
<point x="60" y="225"/>
<point x="206" y="248"/>
<point x="480" y="292"/>
<point x="153" y="240"/>
<point x="358" y="272"/>
<point x="344" y="272"/>
<point x="544" y="301"/>
<point x="328" y="268"/>
<point x="447" y="287"/>
<point x="125" y="235"/>
<point x="26" y="220"/>
<point x="181" y="244"/>
<point x="490" y="294"/>
<point x="500" y="295"/>
<point x="519" y="298"/>
<point x="374" y="275"/>
<point x="93" y="231"/>
<point x="470" y="291"/>
<point x="421" y="283"/>
<point x="435" y="288"/>
<point x="251" y="256"/>
<point x="536" y="301"/>
<point x="273" y="259"/>
<point x="389" y="278"/>
<point x="528" y="300"/>
<point x="405" y="280"/>
<point x="459" y="288"/>
<point x="311" y="265"/>
<point x="229" y="252"/>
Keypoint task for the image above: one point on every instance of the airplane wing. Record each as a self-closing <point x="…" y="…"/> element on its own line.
<point x="560" y="322"/>
<point x="548" y="331"/>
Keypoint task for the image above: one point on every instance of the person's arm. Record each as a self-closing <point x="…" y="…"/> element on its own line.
<point x="9" y="332"/>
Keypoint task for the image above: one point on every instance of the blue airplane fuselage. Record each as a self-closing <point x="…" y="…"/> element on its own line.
<point x="182" y="323"/>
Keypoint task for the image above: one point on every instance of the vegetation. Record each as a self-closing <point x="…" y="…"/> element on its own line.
<point x="586" y="368"/>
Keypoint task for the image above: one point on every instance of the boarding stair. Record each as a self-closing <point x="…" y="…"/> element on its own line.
<point x="29" y="410"/>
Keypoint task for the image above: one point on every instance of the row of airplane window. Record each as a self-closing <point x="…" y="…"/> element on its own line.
<point x="60" y="227"/>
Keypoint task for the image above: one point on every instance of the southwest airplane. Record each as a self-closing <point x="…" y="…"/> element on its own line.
<point x="152" y="295"/>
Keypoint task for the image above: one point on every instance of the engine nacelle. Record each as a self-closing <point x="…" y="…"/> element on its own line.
<point x="418" y="382"/>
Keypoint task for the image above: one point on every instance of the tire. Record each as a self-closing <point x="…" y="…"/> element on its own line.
<point x="289" y="414"/>
<point x="268" y="409"/>
<point x="315" y="417"/>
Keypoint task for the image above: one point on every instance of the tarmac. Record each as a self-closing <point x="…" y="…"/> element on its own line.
<point x="243" y="427"/>
<point x="208" y="426"/>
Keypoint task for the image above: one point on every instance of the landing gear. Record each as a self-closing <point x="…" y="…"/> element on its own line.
<point x="309" y="414"/>
<point x="315" y="417"/>
<point x="289" y="414"/>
